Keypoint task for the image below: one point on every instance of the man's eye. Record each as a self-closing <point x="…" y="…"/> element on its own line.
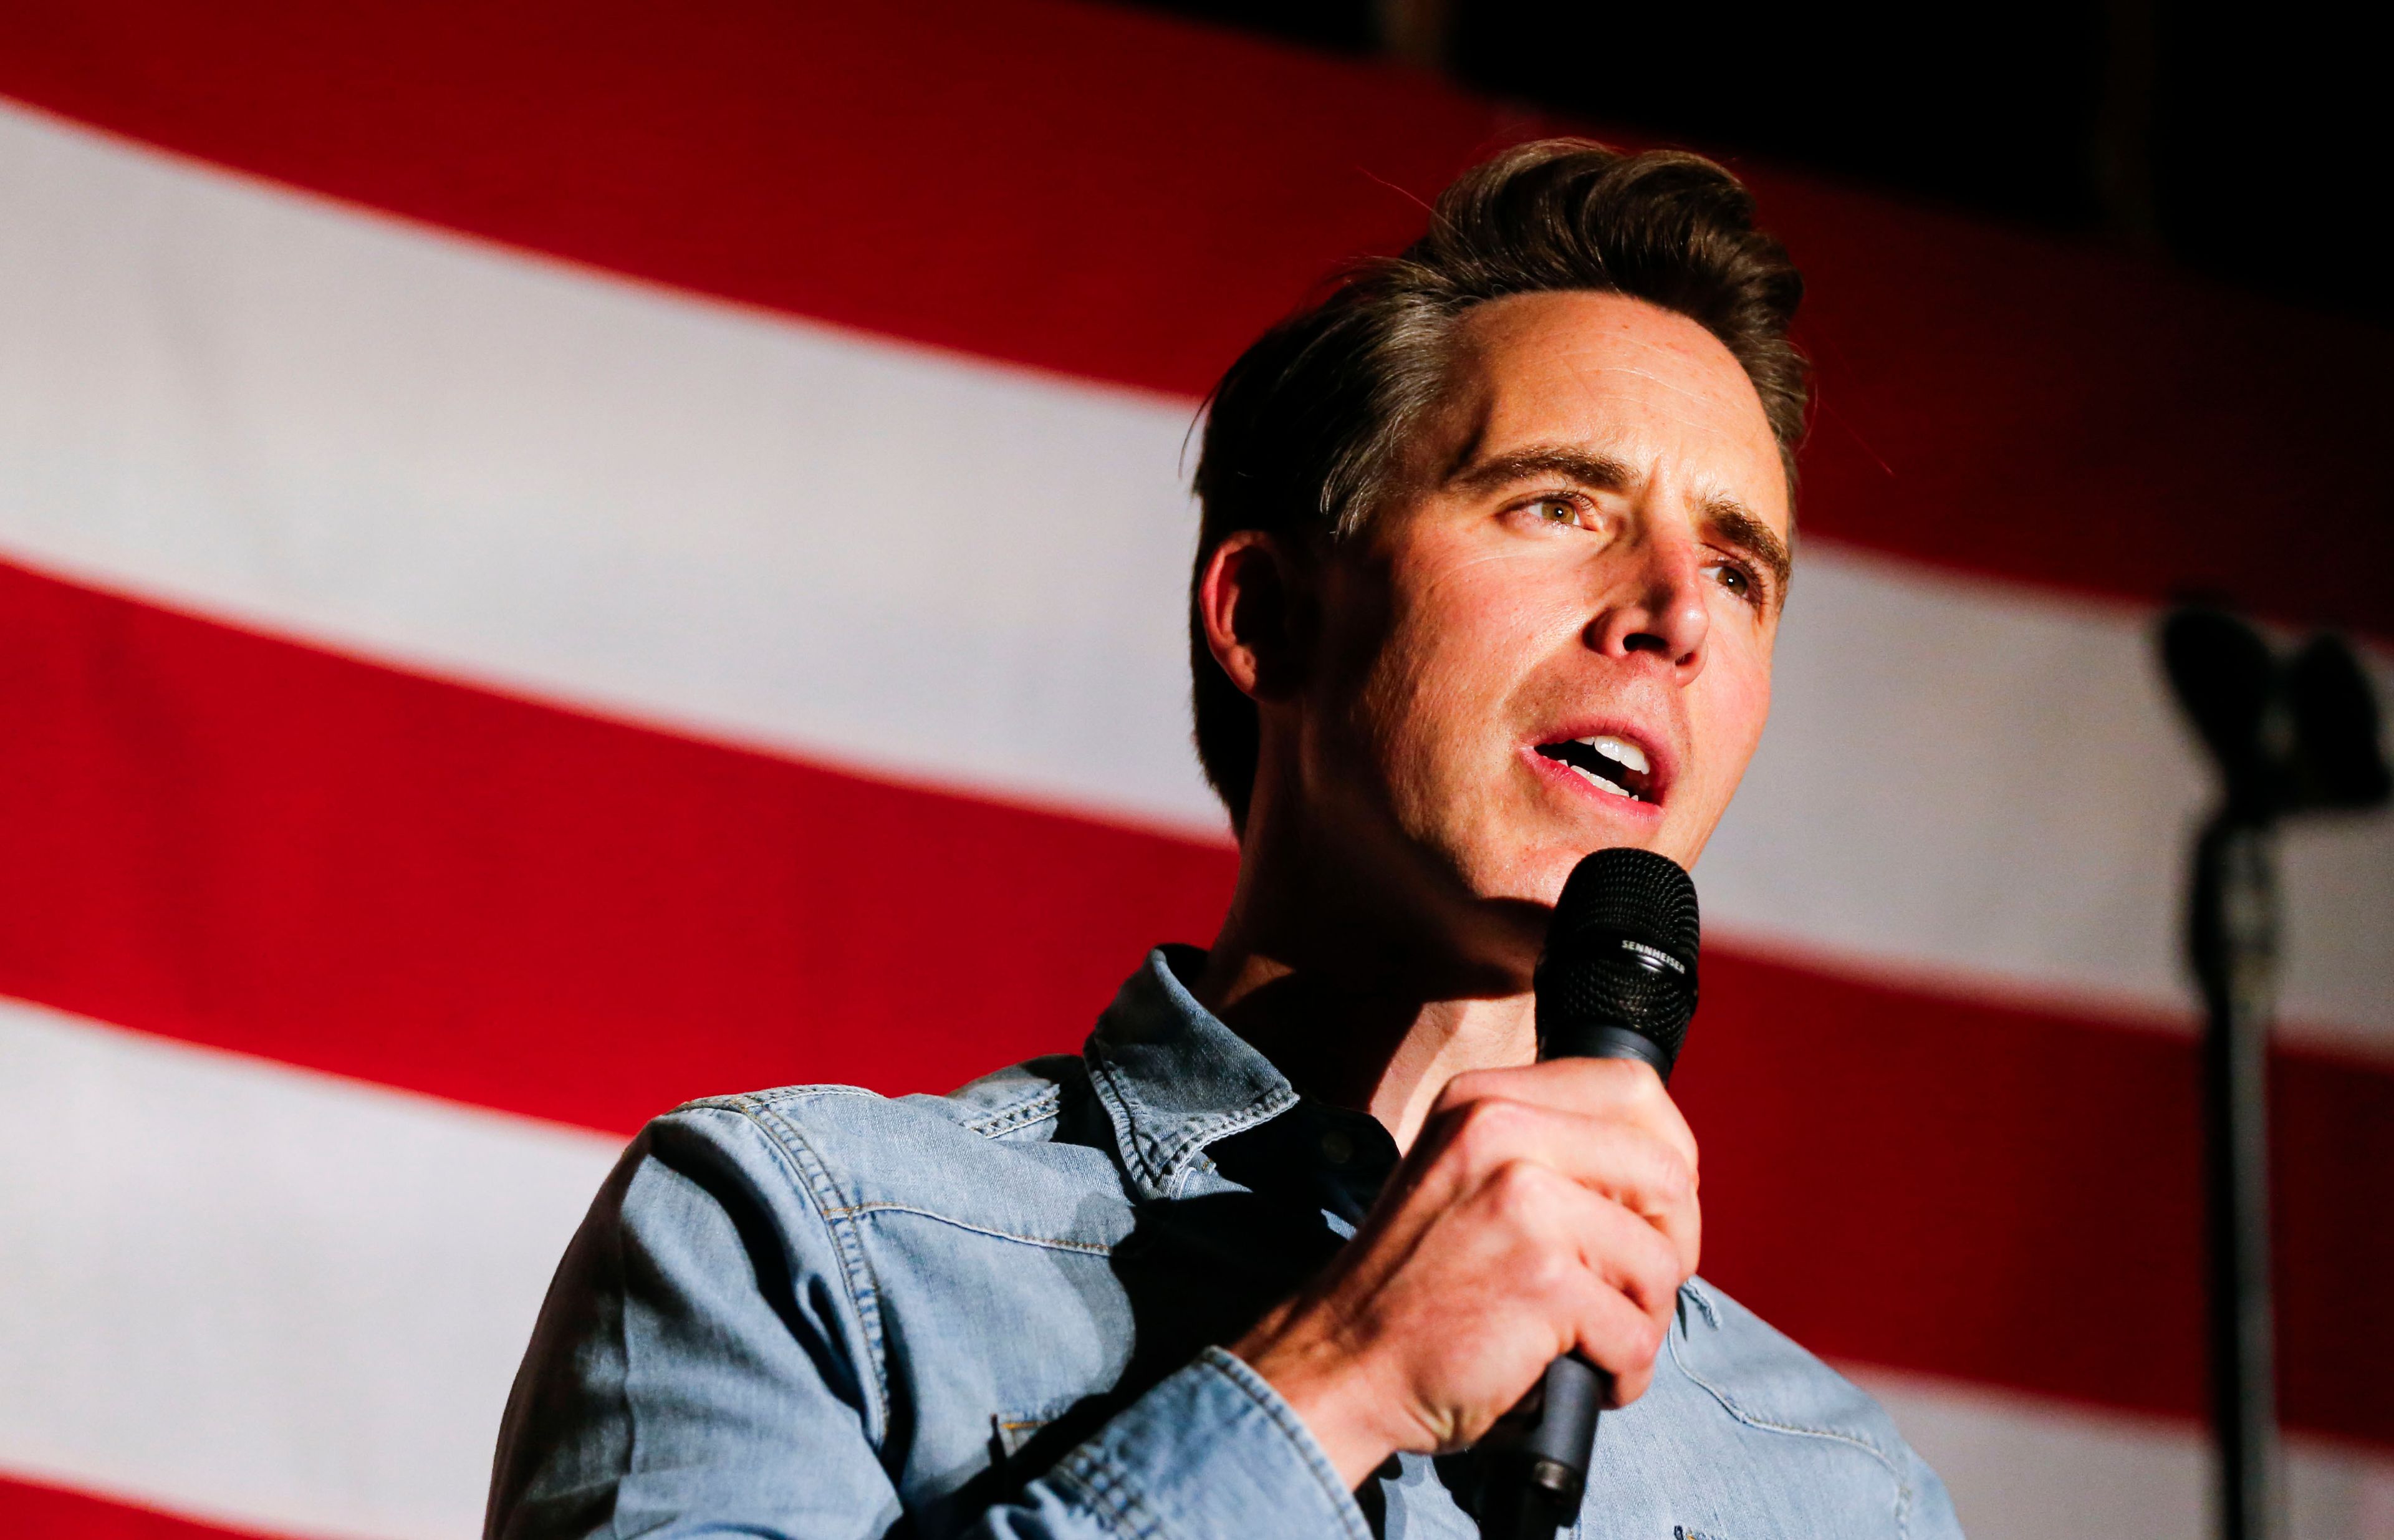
<point x="1556" y="511"/>
<point x="1736" y="579"/>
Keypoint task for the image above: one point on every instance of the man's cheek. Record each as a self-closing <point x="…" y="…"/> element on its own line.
<point x="1735" y="693"/>
<point x="1728" y="733"/>
<point x="1749" y="710"/>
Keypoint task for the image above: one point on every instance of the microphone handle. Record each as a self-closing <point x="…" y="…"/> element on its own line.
<point x="1533" y="1483"/>
<point x="1537" y="1468"/>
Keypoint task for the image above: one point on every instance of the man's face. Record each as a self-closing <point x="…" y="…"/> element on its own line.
<point x="1558" y="639"/>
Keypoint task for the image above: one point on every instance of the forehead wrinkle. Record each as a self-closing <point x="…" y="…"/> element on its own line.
<point x="1634" y="371"/>
<point x="1696" y="404"/>
<point x="1571" y="458"/>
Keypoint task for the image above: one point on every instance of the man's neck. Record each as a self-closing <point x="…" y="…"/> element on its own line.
<point x="1387" y="1051"/>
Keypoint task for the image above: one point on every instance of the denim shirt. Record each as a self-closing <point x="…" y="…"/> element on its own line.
<point x="816" y="1313"/>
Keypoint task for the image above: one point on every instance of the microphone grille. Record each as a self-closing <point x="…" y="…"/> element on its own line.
<point x="1620" y="950"/>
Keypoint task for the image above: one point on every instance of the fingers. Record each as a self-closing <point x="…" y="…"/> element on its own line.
<point x="1607" y="1088"/>
<point x="1638" y="1170"/>
<point x="1543" y="1210"/>
<point x="1573" y="1236"/>
<point x="1605" y="1277"/>
<point x="1592" y="1086"/>
<point x="1623" y="1341"/>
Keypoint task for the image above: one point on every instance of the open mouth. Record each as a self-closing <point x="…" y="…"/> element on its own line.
<point x="1608" y="763"/>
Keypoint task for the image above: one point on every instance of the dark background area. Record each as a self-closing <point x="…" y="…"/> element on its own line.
<point x="2247" y="143"/>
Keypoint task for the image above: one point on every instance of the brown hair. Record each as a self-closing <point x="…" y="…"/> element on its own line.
<point x="1305" y="433"/>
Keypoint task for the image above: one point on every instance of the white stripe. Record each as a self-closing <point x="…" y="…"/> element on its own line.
<point x="1991" y="790"/>
<point x="279" y="1299"/>
<point x="261" y="1295"/>
<point x="515" y="472"/>
<point x="2022" y="1467"/>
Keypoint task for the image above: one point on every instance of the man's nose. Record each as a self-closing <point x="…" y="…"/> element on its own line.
<point x="1659" y="614"/>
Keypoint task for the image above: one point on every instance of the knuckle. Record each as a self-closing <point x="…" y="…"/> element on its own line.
<point x="1546" y="1272"/>
<point x="1518" y="1189"/>
<point x="1626" y="1087"/>
<point x="1674" y="1179"/>
<point x="1617" y="1073"/>
<point x="1482" y="1126"/>
<point x="1645" y="1088"/>
<point x="1461" y="1090"/>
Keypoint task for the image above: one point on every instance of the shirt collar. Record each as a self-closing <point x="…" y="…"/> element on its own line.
<point x="1172" y="1079"/>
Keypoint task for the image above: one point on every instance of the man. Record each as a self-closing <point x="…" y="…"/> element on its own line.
<point x="1495" y="546"/>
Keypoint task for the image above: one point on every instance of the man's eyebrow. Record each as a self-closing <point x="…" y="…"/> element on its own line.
<point x="1726" y="519"/>
<point x="1732" y="521"/>
<point x="1521" y="465"/>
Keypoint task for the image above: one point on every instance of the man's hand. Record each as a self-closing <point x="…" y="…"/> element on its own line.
<point x="1543" y="1210"/>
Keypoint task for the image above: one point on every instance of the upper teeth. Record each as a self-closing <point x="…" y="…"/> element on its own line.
<point x="1619" y="749"/>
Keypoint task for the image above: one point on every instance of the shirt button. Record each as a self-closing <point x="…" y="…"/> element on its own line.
<point x="1337" y="1148"/>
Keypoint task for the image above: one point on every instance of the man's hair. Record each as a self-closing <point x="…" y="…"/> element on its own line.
<point x="1306" y="435"/>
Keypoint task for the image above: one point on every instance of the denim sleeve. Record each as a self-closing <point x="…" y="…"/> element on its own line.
<point x="702" y="1368"/>
<point x="1932" y="1516"/>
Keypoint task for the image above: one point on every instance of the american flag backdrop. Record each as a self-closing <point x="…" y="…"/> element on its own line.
<point x="558" y="557"/>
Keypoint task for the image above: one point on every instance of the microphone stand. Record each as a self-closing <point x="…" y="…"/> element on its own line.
<point x="2233" y="944"/>
<point x="2289" y="736"/>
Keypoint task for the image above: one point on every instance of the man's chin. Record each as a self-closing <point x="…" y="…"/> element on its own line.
<point x="1494" y="888"/>
<point x="1537" y="874"/>
<point x="1530" y="880"/>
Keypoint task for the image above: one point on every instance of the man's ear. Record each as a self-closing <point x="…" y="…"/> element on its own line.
<point x="1256" y="600"/>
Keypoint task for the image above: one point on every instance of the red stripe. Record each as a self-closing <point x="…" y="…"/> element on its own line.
<point x="1123" y="197"/>
<point x="1944" y="1185"/>
<point x="29" y="1512"/>
<point x="274" y="849"/>
<point x="250" y="844"/>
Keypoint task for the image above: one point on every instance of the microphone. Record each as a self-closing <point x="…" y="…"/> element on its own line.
<point x="1617" y="979"/>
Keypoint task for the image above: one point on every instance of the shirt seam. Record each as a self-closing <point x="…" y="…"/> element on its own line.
<point x="774" y="1097"/>
<point x="1185" y="1155"/>
<point x="1729" y="1403"/>
<point x="1159" y="1166"/>
<point x="1036" y="1107"/>
<point x="1105" y="1492"/>
<point x="856" y="1273"/>
<point x="1121" y="1106"/>
<point x="1093" y="1248"/>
